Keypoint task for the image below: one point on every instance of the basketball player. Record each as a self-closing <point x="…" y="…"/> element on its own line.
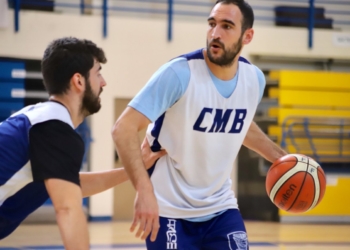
<point x="41" y="154"/>
<point x="201" y="107"/>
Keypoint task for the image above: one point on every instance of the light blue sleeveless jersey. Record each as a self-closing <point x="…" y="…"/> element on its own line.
<point x="201" y="122"/>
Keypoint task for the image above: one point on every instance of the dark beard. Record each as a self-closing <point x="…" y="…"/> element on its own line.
<point x="90" y="104"/>
<point x="226" y="60"/>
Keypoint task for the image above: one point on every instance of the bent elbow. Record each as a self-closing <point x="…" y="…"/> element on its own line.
<point x="117" y="129"/>
<point x="63" y="210"/>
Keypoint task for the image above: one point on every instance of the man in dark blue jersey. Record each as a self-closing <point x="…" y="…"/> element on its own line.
<point x="40" y="152"/>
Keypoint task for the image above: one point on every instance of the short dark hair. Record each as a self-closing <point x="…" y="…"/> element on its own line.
<point x="65" y="57"/>
<point x="245" y="8"/>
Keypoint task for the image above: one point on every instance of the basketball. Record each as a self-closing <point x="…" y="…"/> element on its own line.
<point x="295" y="183"/>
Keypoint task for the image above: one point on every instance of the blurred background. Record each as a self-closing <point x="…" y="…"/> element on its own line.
<point x="302" y="46"/>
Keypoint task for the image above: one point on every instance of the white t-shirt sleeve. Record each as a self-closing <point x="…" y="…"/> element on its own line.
<point x="165" y="87"/>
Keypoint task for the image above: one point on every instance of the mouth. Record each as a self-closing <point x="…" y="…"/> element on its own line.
<point x="215" y="46"/>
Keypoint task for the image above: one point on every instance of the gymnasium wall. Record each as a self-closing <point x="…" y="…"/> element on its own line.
<point x="135" y="48"/>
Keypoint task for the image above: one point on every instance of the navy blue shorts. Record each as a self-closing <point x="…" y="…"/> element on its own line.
<point x="224" y="232"/>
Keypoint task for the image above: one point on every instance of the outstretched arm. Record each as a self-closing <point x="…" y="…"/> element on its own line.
<point x="259" y="142"/>
<point x="96" y="182"/>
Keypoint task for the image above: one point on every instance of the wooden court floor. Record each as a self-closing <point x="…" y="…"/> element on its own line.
<point x="116" y="236"/>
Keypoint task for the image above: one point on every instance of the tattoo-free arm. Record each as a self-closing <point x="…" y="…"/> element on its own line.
<point x="126" y="139"/>
<point x="96" y="182"/>
<point x="259" y="142"/>
<point x="66" y="198"/>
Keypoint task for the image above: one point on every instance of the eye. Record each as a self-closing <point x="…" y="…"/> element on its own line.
<point x="212" y="25"/>
<point x="226" y="26"/>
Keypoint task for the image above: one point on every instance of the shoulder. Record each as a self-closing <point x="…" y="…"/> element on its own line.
<point x="57" y="136"/>
<point x="55" y="131"/>
<point x="47" y="111"/>
<point x="56" y="151"/>
<point x="261" y="76"/>
<point x="182" y="61"/>
<point x="178" y="65"/>
<point x="244" y="60"/>
<point x="176" y="70"/>
<point x="258" y="71"/>
<point x="194" y="55"/>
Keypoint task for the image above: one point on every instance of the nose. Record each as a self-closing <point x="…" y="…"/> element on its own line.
<point x="103" y="82"/>
<point x="216" y="34"/>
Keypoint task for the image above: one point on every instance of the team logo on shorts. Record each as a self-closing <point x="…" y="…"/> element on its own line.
<point x="238" y="239"/>
<point x="171" y="235"/>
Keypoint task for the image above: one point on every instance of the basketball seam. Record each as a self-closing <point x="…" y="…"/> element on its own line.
<point x="278" y="186"/>
<point x="272" y="189"/>
<point x="308" y="169"/>
<point x="301" y="187"/>
<point x="282" y="185"/>
<point x="314" y="202"/>
<point x="317" y="195"/>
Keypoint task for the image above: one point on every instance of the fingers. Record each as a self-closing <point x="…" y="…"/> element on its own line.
<point x="134" y="224"/>
<point x="153" y="157"/>
<point x="145" y="143"/>
<point x="161" y="153"/>
<point x="155" y="229"/>
<point x="158" y="154"/>
<point x="145" y="228"/>
<point x="141" y="228"/>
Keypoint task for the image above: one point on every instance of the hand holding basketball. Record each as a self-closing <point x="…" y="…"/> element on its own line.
<point x="295" y="183"/>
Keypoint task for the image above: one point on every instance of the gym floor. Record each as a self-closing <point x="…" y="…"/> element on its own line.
<point x="116" y="236"/>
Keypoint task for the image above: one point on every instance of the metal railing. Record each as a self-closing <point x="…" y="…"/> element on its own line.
<point x="338" y="11"/>
<point x="299" y="135"/>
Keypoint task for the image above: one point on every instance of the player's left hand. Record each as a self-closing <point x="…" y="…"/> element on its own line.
<point x="148" y="156"/>
<point x="146" y="215"/>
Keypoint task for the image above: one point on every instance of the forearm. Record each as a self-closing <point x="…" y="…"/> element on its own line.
<point x="259" y="142"/>
<point x="96" y="182"/>
<point x="127" y="142"/>
<point x="73" y="228"/>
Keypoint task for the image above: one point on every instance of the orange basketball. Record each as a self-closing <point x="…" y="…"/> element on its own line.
<point x="295" y="183"/>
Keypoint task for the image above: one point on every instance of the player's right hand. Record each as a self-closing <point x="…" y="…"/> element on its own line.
<point x="146" y="215"/>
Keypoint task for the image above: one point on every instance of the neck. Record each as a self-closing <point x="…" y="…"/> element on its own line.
<point x="73" y="105"/>
<point x="223" y="73"/>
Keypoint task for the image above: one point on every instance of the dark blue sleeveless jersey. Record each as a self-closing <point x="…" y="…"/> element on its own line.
<point x="21" y="192"/>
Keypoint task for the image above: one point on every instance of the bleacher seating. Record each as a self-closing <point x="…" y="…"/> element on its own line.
<point x="313" y="118"/>
<point x="294" y="16"/>
<point x="313" y="114"/>
<point x="11" y="87"/>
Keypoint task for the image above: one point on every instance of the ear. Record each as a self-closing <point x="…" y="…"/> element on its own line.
<point x="248" y="36"/>
<point x="78" y="82"/>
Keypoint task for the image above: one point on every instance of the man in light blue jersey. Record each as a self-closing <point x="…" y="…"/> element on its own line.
<point x="200" y="108"/>
<point x="41" y="154"/>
